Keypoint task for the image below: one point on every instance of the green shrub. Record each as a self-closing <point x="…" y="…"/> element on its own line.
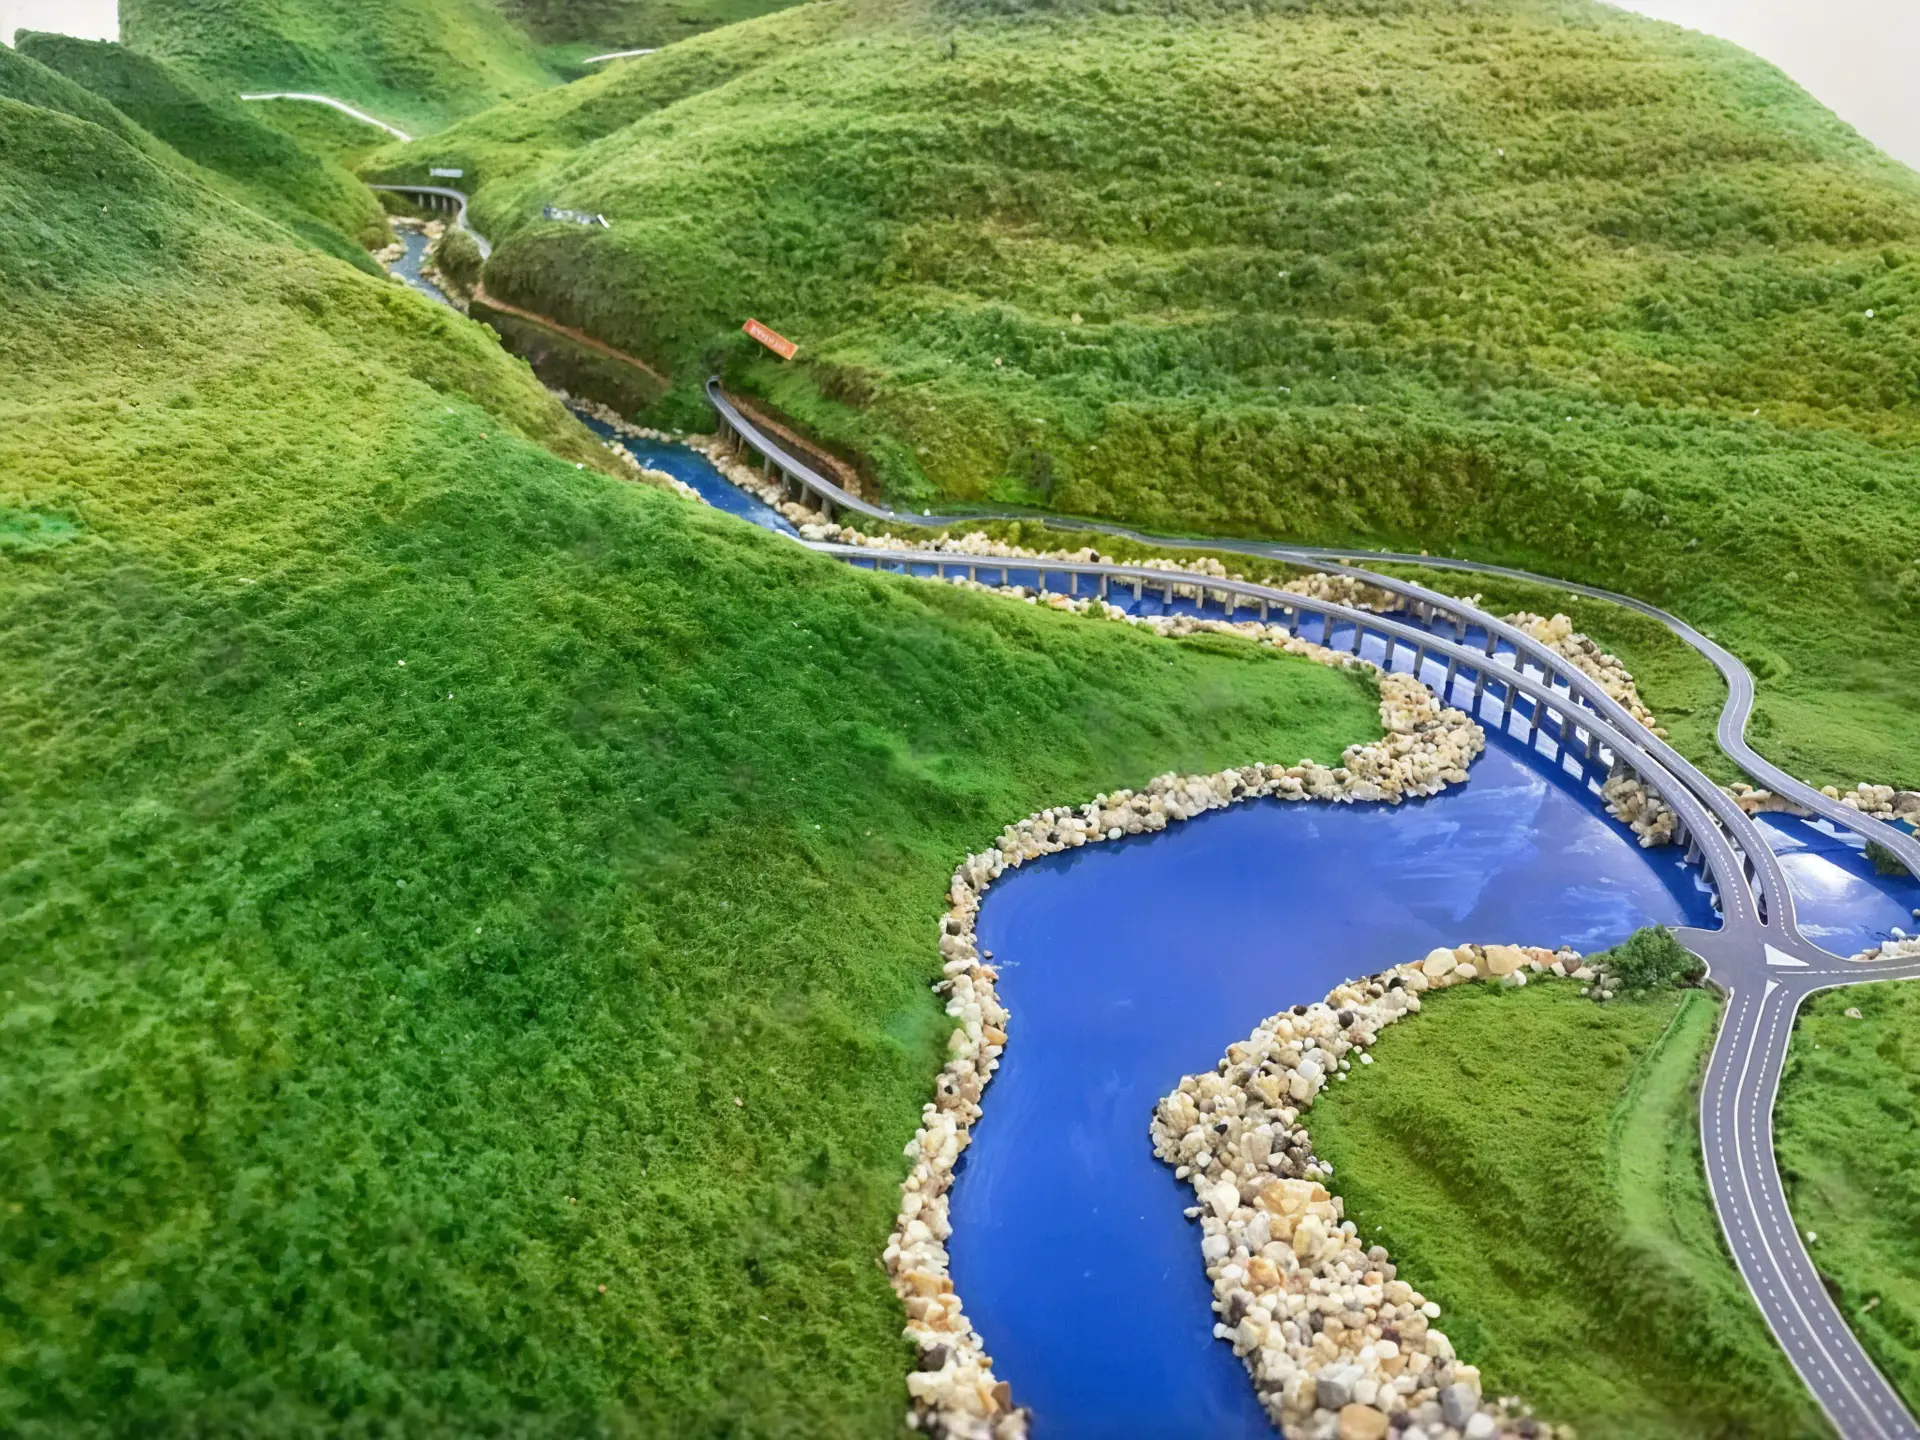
<point x="457" y="256"/>
<point x="1885" y="862"/>
<point x="1649" y="959"/>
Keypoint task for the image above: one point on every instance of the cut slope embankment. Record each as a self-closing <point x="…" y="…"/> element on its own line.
<point x="464" y="920"/>
<point x="1538" y="281"/>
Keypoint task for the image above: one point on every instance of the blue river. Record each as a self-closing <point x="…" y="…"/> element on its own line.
<point x="691" y="467"/>
<point x="1128" y="965"/>
<point x="1840" y="901"/>
<point x="407" y="266"/>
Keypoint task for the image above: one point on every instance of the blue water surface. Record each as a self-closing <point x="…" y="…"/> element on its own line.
<point x="407" y="266"/>
<point x="689" y="465"/>
<point x="1841" y="902"/>
<point x="1126" y="966"/>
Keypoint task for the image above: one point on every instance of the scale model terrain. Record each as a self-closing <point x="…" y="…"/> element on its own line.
<point x="959" y="717"/>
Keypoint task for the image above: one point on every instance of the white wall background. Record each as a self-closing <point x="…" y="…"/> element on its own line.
<point x="89" y="19"/>
<point x="1860" y="57"/>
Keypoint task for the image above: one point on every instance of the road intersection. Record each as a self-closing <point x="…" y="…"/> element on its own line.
<point x="1758" y="957"/>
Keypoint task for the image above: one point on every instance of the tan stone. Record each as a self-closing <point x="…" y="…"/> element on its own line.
<point x="1438" y="963"/>
<point x="1309" y="1236"/>
<point x="1502" y="960"/>
<point x="1362" y="1422"/>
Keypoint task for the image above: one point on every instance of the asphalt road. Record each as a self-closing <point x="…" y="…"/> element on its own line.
<point x="1736" y="1132"/>
<point x="445" y="192"/>
<point x="1758" y="956"/>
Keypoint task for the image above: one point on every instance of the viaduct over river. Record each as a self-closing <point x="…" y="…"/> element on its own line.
<point x="1758" y="956"/>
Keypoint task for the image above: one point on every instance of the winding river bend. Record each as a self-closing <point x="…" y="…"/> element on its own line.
<point x="1062" y="1327"/>
<point x="1129" y="965"/>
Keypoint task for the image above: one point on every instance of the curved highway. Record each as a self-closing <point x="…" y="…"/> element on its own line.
<point x="332" y="104"/>
<point x="1758" y="956"/>
<point x="456" y="202"/>
<point x="1740" y="687"/>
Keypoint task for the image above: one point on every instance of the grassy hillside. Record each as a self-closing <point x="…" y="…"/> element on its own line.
<point x="1532" y="1160"/>
<point x="322" y="129"/>
<point x="630" y="24"/>
<point x="1529" y="279"/>
<point x="314" y="196"/>
<point x="33" y="84"/>
<point x="1848" y="1137"/>
<point x="416" y="63"/>
<point x="465" y="920"/>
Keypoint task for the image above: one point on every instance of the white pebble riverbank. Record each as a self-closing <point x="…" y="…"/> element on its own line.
<point x="1337" y="1347"/>
<point x="954" y="1391"/>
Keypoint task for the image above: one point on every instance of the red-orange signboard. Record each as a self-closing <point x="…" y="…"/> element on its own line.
<point x="778" y="344"/>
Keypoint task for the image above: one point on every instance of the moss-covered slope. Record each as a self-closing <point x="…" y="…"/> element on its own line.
<point x="465" y="920"/>
<point x="418" y="63"/>
<point x="1532" y="1160"/>
<point x="274" y="172"/>
<point x="1530" y="279"/>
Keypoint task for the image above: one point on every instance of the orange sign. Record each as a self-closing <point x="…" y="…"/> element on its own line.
<point x="778" y="344"/>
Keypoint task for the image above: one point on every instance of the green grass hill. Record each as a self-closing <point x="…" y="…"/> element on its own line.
<point x="465" y="919"/>
<point x="1534" y="280"/>
<point x="415" y="63"/>
<point x="322" y="129"/>
<point x="314" y="196"/>
<point x="1532" y="1160"/>
<point x="33" y="84"/>
<point x="586" y="26"/>
<point x="1847" y="1133"/>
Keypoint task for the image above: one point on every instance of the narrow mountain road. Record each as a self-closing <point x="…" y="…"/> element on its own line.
<point x="331" y="103"/>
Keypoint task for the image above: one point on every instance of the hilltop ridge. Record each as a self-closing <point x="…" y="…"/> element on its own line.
<point x="318" y="199"/>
